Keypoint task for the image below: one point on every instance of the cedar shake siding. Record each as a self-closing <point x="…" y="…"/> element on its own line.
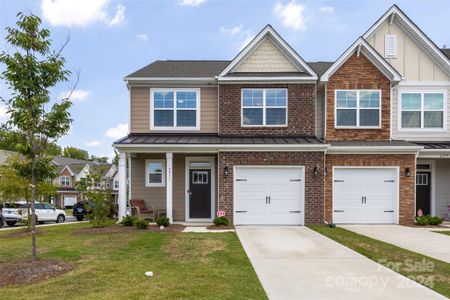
<point x="358" y="73"/>
<point x="300" y="106"/>
<point x="314" y="185"/>
<point x="140" y="110"/>
<point x="407" y="185"/>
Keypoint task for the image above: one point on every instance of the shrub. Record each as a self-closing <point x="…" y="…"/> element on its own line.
<point x="422" y="221"/>
<point x="163" y="221"/>
<point x="128" y="221"/>
<point x="434" y="220"/>
<point x="141" y="224"/>
<point x="221" y="221"/>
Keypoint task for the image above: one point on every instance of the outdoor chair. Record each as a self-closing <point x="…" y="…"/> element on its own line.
<point x="141" y="210"/>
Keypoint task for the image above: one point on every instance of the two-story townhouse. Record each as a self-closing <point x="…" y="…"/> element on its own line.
<point x="271" y="139"/>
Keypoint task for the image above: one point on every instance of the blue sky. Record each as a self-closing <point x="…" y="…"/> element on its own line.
<point x="110" y="39"/>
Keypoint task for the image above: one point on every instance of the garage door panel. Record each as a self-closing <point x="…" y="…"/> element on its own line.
<point x="250" y="218"/>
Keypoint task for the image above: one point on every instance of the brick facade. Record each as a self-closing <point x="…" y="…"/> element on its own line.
<point x="301" y="110"/>
<point x="407" y="184"/>
<point x="314" y="185"/>
<point x="358" y="73"/>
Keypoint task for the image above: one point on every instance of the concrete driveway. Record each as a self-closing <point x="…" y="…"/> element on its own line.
<point x="298" y="263"/>
<point x="420" y="240"/>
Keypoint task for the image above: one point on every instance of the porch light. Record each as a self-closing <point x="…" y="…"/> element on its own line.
<point x="407" y="172"/>
<point x="225" y="171"/>
<point x="315" y="171"/>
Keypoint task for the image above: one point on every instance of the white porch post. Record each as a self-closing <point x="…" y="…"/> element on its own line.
<point x="169" y="184"/>
<point x="122" y="185"/>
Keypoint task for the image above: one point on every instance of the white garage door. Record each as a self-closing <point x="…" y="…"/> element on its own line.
<point x="365" y="195"/>
<point x="269" y="195"/>
<point x="70" y="201"/>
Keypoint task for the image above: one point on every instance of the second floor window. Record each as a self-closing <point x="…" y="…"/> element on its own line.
<point x="422" y="110"/>
<point x="175" y="109"/>
<point x="358" y="108"/>
<point x="64" y="180"/>
<point x="264" y="107"/>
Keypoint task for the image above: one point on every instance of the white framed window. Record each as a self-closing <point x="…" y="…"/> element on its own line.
<point x="422" y="110"/>
<point x="64" y="180"/>
<point x="155" y="173"/>
<point x="116" y="184"/>
<point x="264" y="107"/>
<point x="390" y="46"/>
<point x="357" y="109"/>
<point x="177" y="109"/>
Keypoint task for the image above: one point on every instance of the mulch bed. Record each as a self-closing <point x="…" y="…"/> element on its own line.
<point x="22" y="233"/>
<point x="26" y="272"/>
<point x="121" y="229"/>
<point x="222" y="227"/>
<point x="429" y="226"/>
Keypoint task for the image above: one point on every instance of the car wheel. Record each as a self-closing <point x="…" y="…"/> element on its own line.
<point x="60" y="219"/>
<point x="11" y="224"/>
<point x="80" y="218"/>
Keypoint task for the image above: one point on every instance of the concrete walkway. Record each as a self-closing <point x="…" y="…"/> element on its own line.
<point x="420" y="240"/>
<point x="298" y="263"/>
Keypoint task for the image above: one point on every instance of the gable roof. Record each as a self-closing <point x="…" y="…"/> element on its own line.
<point x="291" y="54"/>
<point x="446" y="51"/>
<point x="397" y="15"/>
<point x="361" y="45"/>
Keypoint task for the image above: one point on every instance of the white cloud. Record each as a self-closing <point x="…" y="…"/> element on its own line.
<point x="117" y="132"/>
<point x="327" y="9"/>
<point x="142" y="36"/>
<point x="3" y="113"/>
<point x="80" y="13"/>
<point x="77" y="95"/>
<point x="191" y="2"/>
<point x="93" y="143"/>
<point x="119" y="18"/>
<point x="291" y="15"/>
<point x="232" y="30"/>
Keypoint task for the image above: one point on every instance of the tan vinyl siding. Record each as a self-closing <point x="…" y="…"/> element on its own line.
<point x="411" y="61"/>
<point x="442" y="187"/>
<point x="140" y="110"/>
<point x="179" y="192"/>
<point x="267" y="58"/>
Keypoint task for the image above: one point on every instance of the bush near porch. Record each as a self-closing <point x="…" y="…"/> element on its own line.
<point x="112" y="266"/>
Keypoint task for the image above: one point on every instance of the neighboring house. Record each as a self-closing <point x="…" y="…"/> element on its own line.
<point x="72" y="171"/>
<point x="272" y="139"/>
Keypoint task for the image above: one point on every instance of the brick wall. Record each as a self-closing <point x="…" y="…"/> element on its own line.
<point x="358" y="73"/>
<point x="301" y="110"/>
<point x="407" y="184"/>
<point x="314" y="185"/>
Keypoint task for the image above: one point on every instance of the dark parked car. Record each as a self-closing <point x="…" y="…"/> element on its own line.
<point x="79" y="210"/>
<point x="2" y="220"/>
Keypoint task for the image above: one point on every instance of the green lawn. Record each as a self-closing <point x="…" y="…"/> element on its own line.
<point x="423" y="269"/>
<point x="444" y="232"/>
<point x="112" y="266"/>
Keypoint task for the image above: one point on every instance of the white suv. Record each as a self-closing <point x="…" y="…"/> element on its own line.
<point x="44" y="213"/>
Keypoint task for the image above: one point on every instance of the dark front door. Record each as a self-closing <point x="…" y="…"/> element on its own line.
<point x="423" y="192"/>
<point x="200" y="194"/>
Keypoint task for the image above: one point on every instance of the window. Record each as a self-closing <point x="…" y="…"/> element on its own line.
<point x="264" y="107"/>
<point x="390" y="46"/>
<point x="155" y="173"/>
<point x="64" y="180"/>
<point x="116" y="184"/>
<point x="175" y="109"/>
<point x="358" y="108"/>
<point x="422" y="110"/>
<point x="199" y="177"/>
<point x="47" y="206"/>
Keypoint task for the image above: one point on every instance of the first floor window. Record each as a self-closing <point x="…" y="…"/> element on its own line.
<point x="175" y="109"/>
<point x="155" y="172"/>
<point x="65" y="180"/>
<point x="422" y="110"/>
<point x="264" y="107"/>
<point x="358" y="108"/>
<point x="116" y="184"/>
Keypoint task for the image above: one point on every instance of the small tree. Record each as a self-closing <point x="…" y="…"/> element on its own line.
<point x="30" y="72"/>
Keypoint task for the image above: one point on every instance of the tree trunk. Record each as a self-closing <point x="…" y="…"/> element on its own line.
<point x="33" y="215"/>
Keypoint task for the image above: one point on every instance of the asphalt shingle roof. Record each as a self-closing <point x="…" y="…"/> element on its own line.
<point x="446" y="51"/>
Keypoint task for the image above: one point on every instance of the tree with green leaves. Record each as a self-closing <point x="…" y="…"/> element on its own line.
<point x="100" y="159"/>
<point x="74" y="152"/>
<point x="31" y="71"/>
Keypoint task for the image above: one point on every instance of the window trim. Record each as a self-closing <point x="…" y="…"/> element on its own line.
<point x="358" y="126"/>
<point x="421" y="128"/>
<point x="147" y="173"/>
<point x="175" y="127"/>
<point x="65" y="185"/>
<point x="263" y="107"/>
